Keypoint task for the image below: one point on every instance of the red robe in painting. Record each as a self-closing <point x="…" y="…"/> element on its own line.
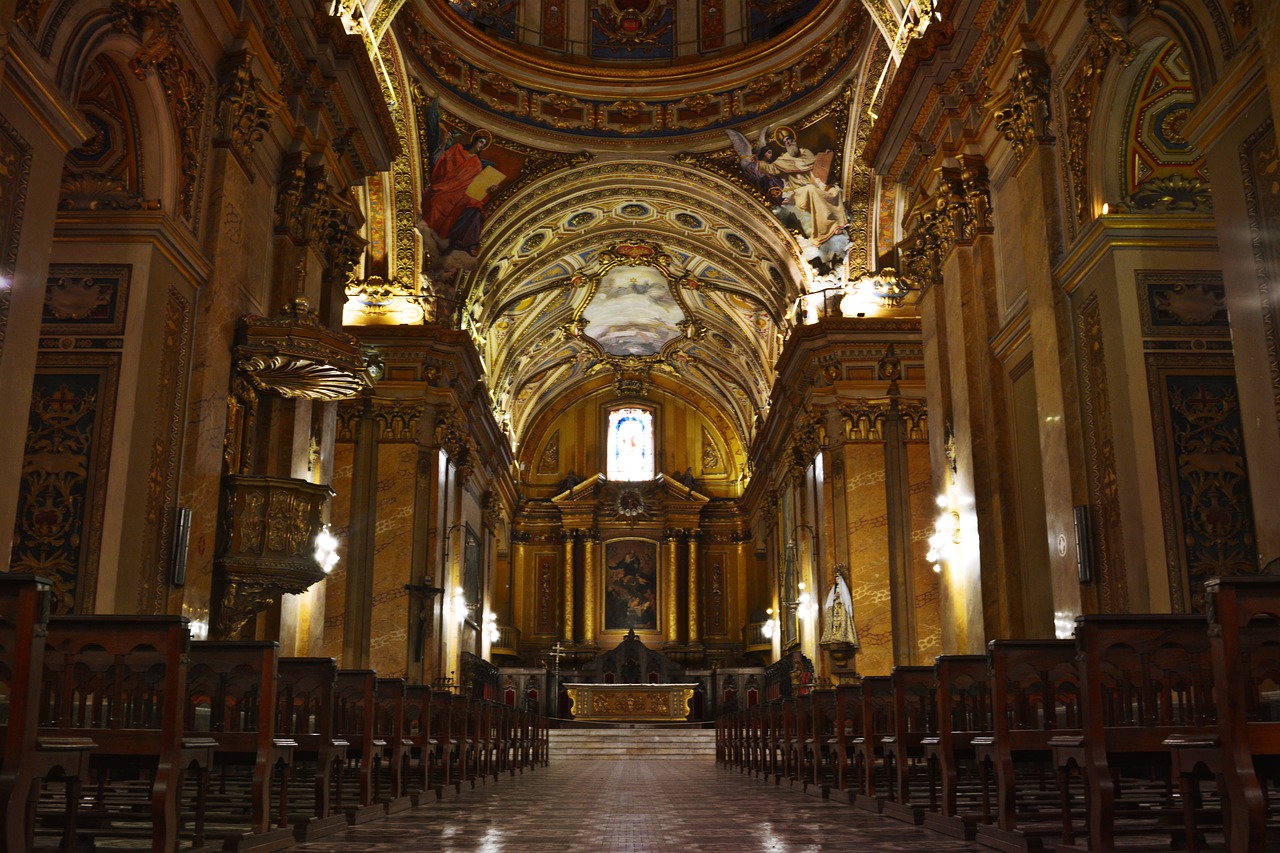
<point x="446" y="199"/>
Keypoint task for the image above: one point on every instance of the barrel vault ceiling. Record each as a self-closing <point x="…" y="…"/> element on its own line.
<point x="623" y="238"/>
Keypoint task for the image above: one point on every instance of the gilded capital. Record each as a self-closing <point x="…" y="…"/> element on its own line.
<point x="1022" y="114"/>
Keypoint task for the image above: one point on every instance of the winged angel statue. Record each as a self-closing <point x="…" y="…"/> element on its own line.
<point x="797" y="184"/>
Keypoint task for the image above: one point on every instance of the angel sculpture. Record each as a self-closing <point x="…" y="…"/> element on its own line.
<point x="453" y="206"/>
<point x="749" y="160"/>
<point x="805" y="200"/>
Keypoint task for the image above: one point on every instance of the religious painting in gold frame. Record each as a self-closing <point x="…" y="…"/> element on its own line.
<point x="631" y="585"/>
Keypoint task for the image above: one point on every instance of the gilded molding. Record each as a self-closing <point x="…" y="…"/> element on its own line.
<point x="162" y="486"/>
<point x="158" y="26"/>
<point x="1022" y="114"/>
<point x="1103" y="483"/>
<point x="1173" y="194"/>
<point x="660" y="117"/>
<point x="15" y="178"/>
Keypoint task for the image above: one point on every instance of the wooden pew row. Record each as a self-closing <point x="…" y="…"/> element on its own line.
<point x="1059" y="744"/>
<point x="1035" y="695"/>
<point x="121" y="682"/>
<point x="231" y="699"/>
<point x="28" y="758"/>
<point x="956" y="784"/>
<point x="1243" y="756"/>
<point x="1144" y="679"/>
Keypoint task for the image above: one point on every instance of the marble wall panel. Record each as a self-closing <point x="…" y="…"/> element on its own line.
<point x="393" y="557"/>
<point x="928" y="617"/>
<point x="867" y="529"/>
<point x="335" y="594"/>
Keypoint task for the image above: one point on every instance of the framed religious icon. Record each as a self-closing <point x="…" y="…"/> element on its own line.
<point x="631" y="585"/>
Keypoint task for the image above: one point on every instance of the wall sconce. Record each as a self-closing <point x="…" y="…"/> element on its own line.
<point x="198" y="626"/>
<point x="456" y="606"/>
<point x="806" y="607"/>
<point x="326" y="549"/>
<point x="491" y="632"/>
<point x="770" y="627"/>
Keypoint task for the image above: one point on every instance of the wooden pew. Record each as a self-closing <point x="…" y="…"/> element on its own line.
<point x="354" y="716"/>
<point x="305" y="714"/>
<point x="464" y="753"/>
<point x="1035" y="696"/>
<point x="847" y="727"/>
<point x="443" y="743"/>
<point x="915" y="718"/>
<point x="820" y="766"/>
<point x="1144" y="679"/>
<point x="964" y="714"/>
<point x="121" y="681"/>
<point x="417" y="738"/>
<point x="231" y="698"/>
<point x="798" y="737"/>
<point x="1243" y="756"/>
<point x="389" y="738"/>
<point x="27" y="759"/>
<point x="877" y="724"/>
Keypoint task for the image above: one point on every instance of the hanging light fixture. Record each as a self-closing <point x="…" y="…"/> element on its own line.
<point x="326" y="549"/>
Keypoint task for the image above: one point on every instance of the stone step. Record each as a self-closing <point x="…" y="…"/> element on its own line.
<point x="625" y="744"/>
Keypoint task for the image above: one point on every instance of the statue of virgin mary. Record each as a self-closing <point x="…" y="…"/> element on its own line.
<point x="838" y="615"/>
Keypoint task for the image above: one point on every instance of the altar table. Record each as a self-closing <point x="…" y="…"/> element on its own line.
<point x="630" y="702"/>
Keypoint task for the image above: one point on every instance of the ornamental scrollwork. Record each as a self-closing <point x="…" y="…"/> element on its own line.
<point x="807" y="439"/>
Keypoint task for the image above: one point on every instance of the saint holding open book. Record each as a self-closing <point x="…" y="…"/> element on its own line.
<point x="453" y="206"/>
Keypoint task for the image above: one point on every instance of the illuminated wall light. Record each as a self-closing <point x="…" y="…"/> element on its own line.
<point x="326" y="549"/>
<point x="456" y="606"/>
<point x="491" y="632"/>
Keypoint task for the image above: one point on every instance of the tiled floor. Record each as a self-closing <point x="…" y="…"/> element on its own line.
<point x="635" y="806"/>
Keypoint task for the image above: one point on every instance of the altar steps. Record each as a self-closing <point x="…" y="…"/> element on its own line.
<point x="664" y="744"/>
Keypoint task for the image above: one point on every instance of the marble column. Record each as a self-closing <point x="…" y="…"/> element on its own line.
<point x="590" y="571"/>
<point x="358" y="607"/>
<point x="695" y="635"/>
<point x="898" y="520"/>
<point x="567" y="635"/>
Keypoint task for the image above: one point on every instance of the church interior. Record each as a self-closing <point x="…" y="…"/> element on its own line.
<point x="944" y="418"/>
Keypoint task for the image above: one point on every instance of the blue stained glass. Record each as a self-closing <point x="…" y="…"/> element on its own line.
<point x="630" y="446"/>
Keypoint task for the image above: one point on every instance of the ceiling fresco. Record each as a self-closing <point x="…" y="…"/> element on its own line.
<point x="629" y="192"/>
<point x="633" y="312"/>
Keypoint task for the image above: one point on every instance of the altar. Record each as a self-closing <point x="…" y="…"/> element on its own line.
<point x="630" y="702"/>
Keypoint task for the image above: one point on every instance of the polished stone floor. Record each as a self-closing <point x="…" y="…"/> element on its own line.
<point x="635" y="806"/>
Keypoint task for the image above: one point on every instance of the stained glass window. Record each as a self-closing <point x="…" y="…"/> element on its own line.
<point x="630" y="446"/>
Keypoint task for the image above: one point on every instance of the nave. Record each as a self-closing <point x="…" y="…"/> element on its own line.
<point x="635" y="806"/>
